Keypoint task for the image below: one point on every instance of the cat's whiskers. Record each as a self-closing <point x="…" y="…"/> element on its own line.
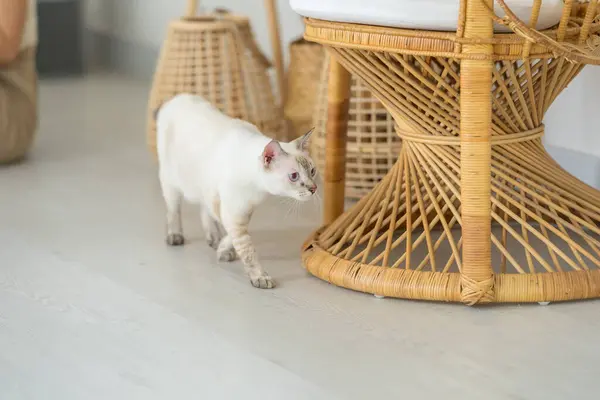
<point x="296" y="207"/>
<point x="288" y="202"/>
<point x="317" y="198"/>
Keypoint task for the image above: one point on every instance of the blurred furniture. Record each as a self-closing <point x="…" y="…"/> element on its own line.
<point x="18" y="107"/>
<point x="19" y="89"/>
<point x="372" y="143"/>
<point x="474" y="210"/>
<point x="214" y="55"/>
<point x="60" y="49"/>
<point x="303" y="82"/>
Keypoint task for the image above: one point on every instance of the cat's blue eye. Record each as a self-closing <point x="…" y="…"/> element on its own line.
<point x="294" y="176"/>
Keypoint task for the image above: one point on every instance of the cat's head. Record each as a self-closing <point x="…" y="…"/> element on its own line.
<point x="288" y="169"/>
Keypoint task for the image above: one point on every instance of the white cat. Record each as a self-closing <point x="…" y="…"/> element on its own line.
<point x="228" y="167"/>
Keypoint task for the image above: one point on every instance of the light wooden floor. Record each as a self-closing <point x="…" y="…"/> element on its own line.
<point x="93" y="305"/>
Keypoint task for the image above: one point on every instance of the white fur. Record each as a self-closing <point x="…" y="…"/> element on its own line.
<point x="218" y="163"/>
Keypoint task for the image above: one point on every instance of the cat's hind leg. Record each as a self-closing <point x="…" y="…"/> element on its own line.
<point x="225" y="251"/>
<point x="212" y="229"/>
<point x="173" y="198"/>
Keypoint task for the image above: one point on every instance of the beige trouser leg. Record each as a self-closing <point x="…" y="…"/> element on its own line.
<point x="18" y="106"/>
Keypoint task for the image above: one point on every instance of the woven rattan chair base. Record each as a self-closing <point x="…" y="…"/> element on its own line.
<point x="463" y="215"/>
<point x="545" y="243"/>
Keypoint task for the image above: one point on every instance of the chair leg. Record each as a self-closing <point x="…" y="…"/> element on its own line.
<point x="475" y="141"/>
<point x="338" y="96"/>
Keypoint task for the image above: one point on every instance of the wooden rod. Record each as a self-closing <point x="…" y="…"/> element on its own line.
<point x="338" y="100"/>
<point x="275" y="34"/>
<point x="475" y="158"/>
<point x="192" y="8"/>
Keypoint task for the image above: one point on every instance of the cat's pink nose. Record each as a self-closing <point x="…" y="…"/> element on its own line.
<point x="312" y="189"/>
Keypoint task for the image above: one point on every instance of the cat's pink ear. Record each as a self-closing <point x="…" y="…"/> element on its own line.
<point x="271" y="152"/>
<point x="303" y="141"/>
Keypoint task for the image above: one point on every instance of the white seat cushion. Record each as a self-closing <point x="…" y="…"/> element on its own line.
<point x="433" y="15"/>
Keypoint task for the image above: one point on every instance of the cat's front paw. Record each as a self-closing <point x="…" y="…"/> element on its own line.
<point x="263" y="281"/>
<point x="226" y="255"/>
<point x="175" y="239"/>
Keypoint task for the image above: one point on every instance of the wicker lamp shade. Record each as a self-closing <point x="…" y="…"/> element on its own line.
<point x="215" y="56"/>
<point x="372" y="143"/>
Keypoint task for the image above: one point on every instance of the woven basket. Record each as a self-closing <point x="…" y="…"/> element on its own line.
<point x="303" y="77"/>
<point x="215" y="56"/>
<point x="373" y="145"/>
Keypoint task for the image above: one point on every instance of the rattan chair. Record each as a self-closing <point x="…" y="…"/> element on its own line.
<point x="474" y="210"/>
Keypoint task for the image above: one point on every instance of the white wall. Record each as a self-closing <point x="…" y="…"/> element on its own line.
<point x="145" y="21"/>
<point x="571" y="122"/>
